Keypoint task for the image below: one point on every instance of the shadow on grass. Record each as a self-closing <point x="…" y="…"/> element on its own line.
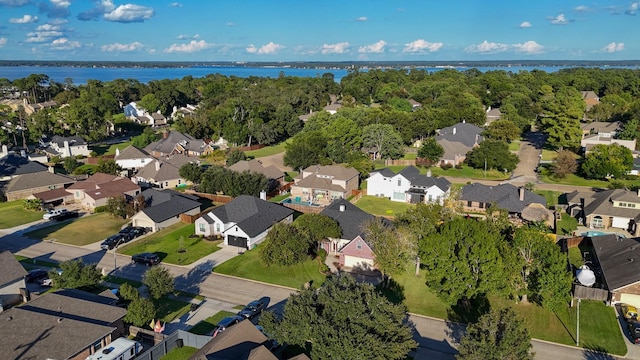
<point x="594" y="352"/>
<point x="464" y="312"/>
<point x="190" y="282"/>
<point x="394" y="292"/>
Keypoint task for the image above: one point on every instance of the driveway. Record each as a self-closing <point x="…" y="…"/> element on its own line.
<point x="529" y="155"/>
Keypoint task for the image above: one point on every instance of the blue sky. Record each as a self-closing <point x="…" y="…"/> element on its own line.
<point x="327" y="30"/>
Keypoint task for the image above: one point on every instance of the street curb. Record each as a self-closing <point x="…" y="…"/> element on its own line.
<point x="254" y="281"/>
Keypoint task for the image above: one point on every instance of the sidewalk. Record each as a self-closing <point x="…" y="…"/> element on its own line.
<point x="206" y="308"/>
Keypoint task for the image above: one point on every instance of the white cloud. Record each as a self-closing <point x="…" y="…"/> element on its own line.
<point x="339" y="48"/>
<point x="129" y="13"/>
<point x="375" y="48"/>
<point x="486" y="47"/>
<point x="633" y="8"/>
<point x="559" y="20"/>
<point x="582" y="8"/>
<point x="193" y="46"/>
<point x="186" y="37"/>
<point x="15" y="3"/>
<point x="270" y="48"/>
<point x="117" y="47"/>
<point x="525" y="24"/>
<point x="44" y="33"/>
<point x="421" y="46"/>
<point x="3" y="42"/>
<point x="61" y="3"/>
<point x="529" y="47"/>
<point x="361" y="18"/>
<point x="64" y="44"/>
<point x="613" y="47"/>
<point x="175" y="4"/>
<point x="230" y="24"/>
<point x="26" y="19"/>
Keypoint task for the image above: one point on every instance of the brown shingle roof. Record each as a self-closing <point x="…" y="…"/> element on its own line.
<point x="10" y="268"/>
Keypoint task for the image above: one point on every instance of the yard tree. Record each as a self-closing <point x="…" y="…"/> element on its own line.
<point x="469" y="249"/>
<point x="70" y="164"/>
<point x="140" y="312"/>
<point x="150" y="103"/>
<point x="430" y="152"/>
<point x="343" y="319"/>
<point x="147" y="137"/>
<point x="117" y="206"/>
<point x="605" y="161"/>
<point x="234" y="156"/>
<point x="394" y="249"/>
<point x="75" y="274"/>
<point x="159" y="281"/>
<point x="128" y="292"/>
<point x="564" y="164"/>
<point x="384" y="140"/>
<point x="497" y="335"/>
<point x="503" y="130"/>
<point x="108" y="167"/>
<point x="306" y="149"/>
<point x="286" y="244"/>
<point x="493" y="154"/>
<point x="32" y="204"/>
<point x="191" y="172"/>
<point x="318" y="226"/>
<point x="560" y="116"/>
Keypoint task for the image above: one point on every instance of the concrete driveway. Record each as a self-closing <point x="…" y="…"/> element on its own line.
<point x="529" y="155"/>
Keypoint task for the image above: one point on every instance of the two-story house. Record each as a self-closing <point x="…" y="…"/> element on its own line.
<point x="99" y="187"/>
<point x="605" y="209"/>
<point x="408" y="185"/>
<point x="457" y="141"/>
<point x="322" y="185"/>
<point x="132" y="158"/>
<point x="66" y="146"/>
<point x="174" y="142"/>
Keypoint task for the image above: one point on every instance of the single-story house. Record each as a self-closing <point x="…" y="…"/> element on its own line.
<point x="98" y="188"/>
<point x="174" y="142"/>
<point x="322" y="185"/>
<point x="164" y="207"/>
<point x="20" y="177"/>
<point x="11" y="280"/>
<point x="478" y="198"/>
<point x="618" y="258"/>
<point x="243" y="222"/>
<point x="408" y="185"/>
<point x="457" y="141"/>
<point x="605" y="209"/>
<point x="66" y="324"/>
<point x="493" y="114"/>
<point x="270" y="172"/>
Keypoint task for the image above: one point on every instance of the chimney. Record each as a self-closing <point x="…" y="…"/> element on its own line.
<point x="157" y="165"/>
<point x="521" y="193"/>
<point x="5" y="150"/>
<point x="67" y="151"/>
<point x="454" y="131"/>
<point x="263" y="195"/>
<point x="51" y="169"/>
<point x="343" y="207"/>
<point x="165" y="134"/>
<point x="117" y="152"/>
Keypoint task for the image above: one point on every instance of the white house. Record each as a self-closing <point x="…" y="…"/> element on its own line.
<point x="408" y="186"/>
<point x="67" y="146"/>
<point x="132" y="158"/>
<point x="244" y="222"/>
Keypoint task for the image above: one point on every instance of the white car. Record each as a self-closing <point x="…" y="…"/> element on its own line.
<point x="53" y="213"/>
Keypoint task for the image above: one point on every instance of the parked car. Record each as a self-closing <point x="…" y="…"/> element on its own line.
<point x="36" y="275"/>
<point x="111" y="242"/>
<point x="53" y="212"/>
<point x="634" y="330"/>
<point x="255" y="308"/>
<point x="226" y="322"/>
<point x="132" y="232"/>
<point x="629" y="312"/>
<point x="47" y="281"/>
<point x="148" y="259"/>
<point x="65" y="215"/>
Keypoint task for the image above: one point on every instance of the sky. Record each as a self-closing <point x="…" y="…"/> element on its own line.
<point x="325" y="30"/>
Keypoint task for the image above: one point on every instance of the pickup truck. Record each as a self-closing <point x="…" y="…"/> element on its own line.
<point x="65" y="216"/>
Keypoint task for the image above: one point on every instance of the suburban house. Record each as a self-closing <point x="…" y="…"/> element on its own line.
<point x="616" y="256"/>
<point x="414" y="105"/>
<point x="270" y="172"/>
<point x="141" y="116"/>
<point x="605" y="209"/>
<point x="66" y="324"/>
<point x="132" y="158"/>
<point x="11" y="280"/>
<point x="163" y="173"/>
<point x="602" y="128"/>
<point x="457" y="141"/>
<point x="493" y="114"/>
<point x="29" y="109"/>
<point x="98" y="188"/>
<point x="590" y="99"/>
<point x="478" y="198"/>
<point x="21" y="178"/>
<point x="635" y="170"/>
<point x="183" y="111"/>
<point x="164" y="207"/>
<point x="174" y="142"/>
<point x="408" y="185"/>
<point x="352" y="248"/>
<point x="322" y="185"/>
<point x="243" y="222"/>
<point x="65" y="146"/>
<point x="604" y="138"/>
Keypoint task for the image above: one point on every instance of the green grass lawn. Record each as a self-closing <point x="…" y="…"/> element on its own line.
<point x="12" y="213"/>
<point x="249" y="266"/>
<point x="514" y="146"/>
<point x="110" y="149"/>
<point x="169" y="309"/>
<point x="550" y="195"/>
<point x="207" y="325"/>
<point x="410" y="156"/>
<point x="166" y="243"/>
<point x="277" y="199"/>
<point x="180" y="353"/>
<point x="575" y="257"/>
<point x="548" y="155"/>
<point x="598" y="327"/>
<point x="267" y="150"/>
<point x="382" y="206"/>
<point x="575" y="180"/>
<point x="465" y="171"/>
<point x="83" y="231"/>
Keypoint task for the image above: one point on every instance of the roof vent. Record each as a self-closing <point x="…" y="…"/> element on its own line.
<point x="59" y="320"/>
<point x="9" y="318"/>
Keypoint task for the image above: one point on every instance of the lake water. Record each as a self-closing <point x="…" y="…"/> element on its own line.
<point x="80" y="75"/>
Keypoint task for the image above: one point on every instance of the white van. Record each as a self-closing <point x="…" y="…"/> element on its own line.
<point x="120" y="349"/>
<point x="54" y="212"/>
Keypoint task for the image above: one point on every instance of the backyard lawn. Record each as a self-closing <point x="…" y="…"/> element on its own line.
<point x="180" y="353"/>
<point x="83" y="231"/>
<point x="550" y="195"/>
<point x="250" y="266"/>
<point x="12" y="213"/>
<point x="266" y="151"/>
<point x="382" y="206"/>
<point x="169" y="309"/>
<point x="168" y="242"/>
<point x="465" y="172"/>
<point x="110" y="149"/>
<point x="207" y="325"/>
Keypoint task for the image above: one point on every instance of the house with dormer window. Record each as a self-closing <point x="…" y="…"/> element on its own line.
<point x="619" y="208"/>
<point x="321" y="185"/>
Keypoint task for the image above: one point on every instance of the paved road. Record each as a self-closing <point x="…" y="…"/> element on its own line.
<point x="529" y="155"/>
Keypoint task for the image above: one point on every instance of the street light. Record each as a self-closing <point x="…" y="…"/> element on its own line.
<point x="115" y="265"/>
<point x="578" y="325"/>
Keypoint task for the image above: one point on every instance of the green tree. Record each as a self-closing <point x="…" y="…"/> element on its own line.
<point x="384" y="140"/>
<point x="318" y="226"/>
<point x="493" y="154"/>
<point x="560" y="117"/>
<point x="70" y="164"/>
<point x="605" y="161"/>
<point x="503" y="130"/>
<point x="306" y="149"/>
<point x="285" y="245"/>
<point x="394" y="250"/>
<point x="108" y="167"/>
<point x="234" y="156"/>
<point x="498" y="335"/>
<point x="564" y="164"/>
<point x="159" y="281"/>
<point x="150" y="103"/>
<point x="75" y="274"/>
<point x="430" y="151"/>
<point x="191" y="172"/>
<point x="140" y="312"/>
<point x="32" y="204"/>
<point x="369" y="325"/>
<point x="128" y="292"/>
<point x="147" y="137"/>
<point x="117" y="206"/>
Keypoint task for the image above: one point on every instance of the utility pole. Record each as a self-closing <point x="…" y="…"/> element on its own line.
<point x="578" y="326"/>
<point x="115" y="265"/>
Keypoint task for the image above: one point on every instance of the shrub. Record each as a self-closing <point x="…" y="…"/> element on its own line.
<point x="100" y="209"/>
<point x="446" y="166"/>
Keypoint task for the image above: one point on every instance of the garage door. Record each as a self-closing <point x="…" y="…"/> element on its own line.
<point x="630" y="299"/>
<point x="353" y="261"/>
<point x="620" y="223"/>
<point x="236" y="241"/>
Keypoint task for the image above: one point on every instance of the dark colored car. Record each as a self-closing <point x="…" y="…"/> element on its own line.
<point x="255" y="307"/>
<point x="634" y="330"/>
<point x="36" y="275"/>
<point x="225" y="323"/>
<point x="65" y="216"/>
<point x="132" y="232"/>
<point x="146" y="258"/>
<point x="112" y="241"/>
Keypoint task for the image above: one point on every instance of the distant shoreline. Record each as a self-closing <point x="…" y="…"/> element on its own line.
<point x="323" y="64"/>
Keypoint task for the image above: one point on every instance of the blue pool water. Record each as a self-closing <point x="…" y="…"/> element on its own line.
<point x="297" y="201"/>
<point x="592" y="233"/>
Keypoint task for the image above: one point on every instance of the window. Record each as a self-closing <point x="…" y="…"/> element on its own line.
<point x="201" y="227"/>
<point x="217" y="227"/>
<point x="359" y="245"/>
<point x="469" y="203"/>
<point x="97" y="346"/>
<point x="399" y="182"/>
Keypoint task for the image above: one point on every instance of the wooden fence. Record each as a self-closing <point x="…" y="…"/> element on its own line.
<point x="402" y="162"/>
<point x="221" y="199"/>
<point x="356" y="195"/>
<point x="248" y="148"/>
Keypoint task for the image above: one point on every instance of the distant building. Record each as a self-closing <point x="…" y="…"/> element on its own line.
<point x="457" y="141"/>
<point x="66" y="146"/>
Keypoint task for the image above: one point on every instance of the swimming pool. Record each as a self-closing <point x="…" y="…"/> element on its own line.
<point x="592" y="233"/>
<point x="297" y="201"/>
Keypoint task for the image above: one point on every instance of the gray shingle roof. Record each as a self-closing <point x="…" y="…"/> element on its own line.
<point x="251" y="214"/>
<point x="619" y="258"/>
<point x="131" y="153"/>
<point x="166" y="145"/>
<point x="351" y="221"/>
<point x="600" y="203"/>
<point x="504" y="196"/>
<point x="169" y="168"/>
<point x="73" y="140"/>
<point x="255" y="165"/>
<point x="165" y="204"/>
<point x="412" y="174"/>
<point x="44" y="178"/>
<point x="10" y="268"/>
<point x="12" y="165"/>
<point x="465" y="133"/>
<point x="386" y="172"/>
